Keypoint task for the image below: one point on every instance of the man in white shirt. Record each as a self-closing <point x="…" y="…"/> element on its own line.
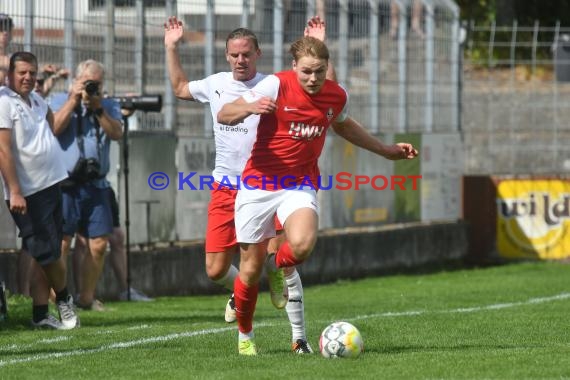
<point x="31" y="166"/>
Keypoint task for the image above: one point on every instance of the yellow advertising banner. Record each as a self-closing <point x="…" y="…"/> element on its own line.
<point x="533" y="218"/>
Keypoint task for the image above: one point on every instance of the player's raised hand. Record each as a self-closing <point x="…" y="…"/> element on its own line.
<point x="173" y="31"/>
<point x="315" y="28"/>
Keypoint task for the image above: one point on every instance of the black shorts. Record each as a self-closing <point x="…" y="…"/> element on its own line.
<point x="114" y="208"/>
<point x="41" y="226"/>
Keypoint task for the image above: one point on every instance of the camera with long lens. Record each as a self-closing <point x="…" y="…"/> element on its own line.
<point x="91" y="87"/>
<point x="145" y="103"/>
<point x="85" y="170"/>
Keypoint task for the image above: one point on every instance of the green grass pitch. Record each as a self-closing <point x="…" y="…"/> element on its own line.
<point x="505" y="322"/>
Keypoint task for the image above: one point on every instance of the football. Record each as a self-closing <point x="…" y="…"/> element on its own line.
<point x="341" y="340"/>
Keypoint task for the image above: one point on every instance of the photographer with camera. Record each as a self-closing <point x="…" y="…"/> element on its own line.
<point x="85" y="123"/>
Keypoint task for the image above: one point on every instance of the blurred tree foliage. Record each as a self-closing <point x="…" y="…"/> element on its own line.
<point x="482" y="13"/>
<point x="526" y="12"/>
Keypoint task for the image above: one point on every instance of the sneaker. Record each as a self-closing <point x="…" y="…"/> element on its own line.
<point x="96" y="305"/>
<point x="49" y="322"/>
<point x="301" y="347"/>
<point x="247" y="347"/>
<point x="136" y="296"/>
<point x="231" y="310"/>
<point x="277" y="284"/>
<point x="69" y="318"/>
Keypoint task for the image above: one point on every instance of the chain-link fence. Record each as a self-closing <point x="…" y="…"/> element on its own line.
<point x="397" y="58"/>
<point x="516" y="99"/>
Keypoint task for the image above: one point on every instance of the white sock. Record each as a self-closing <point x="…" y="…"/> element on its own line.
<point x="246" y="336"/>
<point x="228" y="280"/>
<point x="295" y="308"/>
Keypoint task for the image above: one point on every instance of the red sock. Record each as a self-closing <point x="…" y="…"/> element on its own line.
<point x="285" y="257"/>
<point x="245" y="299"/>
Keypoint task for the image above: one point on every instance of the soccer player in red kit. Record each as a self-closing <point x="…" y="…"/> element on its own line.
<point x="281" y="176"/>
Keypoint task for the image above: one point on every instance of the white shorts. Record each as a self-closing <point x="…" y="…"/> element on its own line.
<point x="255" y="211"/>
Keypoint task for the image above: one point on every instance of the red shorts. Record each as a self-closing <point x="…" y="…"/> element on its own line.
<point x="221" y="229"/>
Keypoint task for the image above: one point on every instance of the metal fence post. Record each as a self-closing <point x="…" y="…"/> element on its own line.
<point x="110" y="47"/>
<point x="455" y="96"/>
<point x="490" y="120"/>
<point x="513" y="112"/>
<point x="512" y="57"/>
<point x="374" y="65"/>
<point x="429" y="65"/>
<point x="343" y="42"/>
<point x="534" y="45"/>
<point x="68" y="58"/>
<point x="209" y="57"/>
<point x="29" y="26"/>
<point x="277" y="35"/>
<point x="402" y="63"/>
<point x="140" y="47"/>
<point x="169" y="100"/>
<point x="555" y="132"/>
<point x="245" y="14"/>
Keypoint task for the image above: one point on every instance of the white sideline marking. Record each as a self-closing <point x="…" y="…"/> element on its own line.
<point x="112" y="346"/>
<point x="532" y="301"/>
<point x="188" y="334"/>
<point x="55" y="340"/>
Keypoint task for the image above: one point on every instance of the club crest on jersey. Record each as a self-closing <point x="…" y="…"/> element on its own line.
<point x="330" y="114"/>
<point x="302" y="131"/>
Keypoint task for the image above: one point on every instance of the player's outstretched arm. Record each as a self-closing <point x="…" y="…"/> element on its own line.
<point x="316" y="28"/>
<point x="173" y="33"/>
<point x="356" y="134"/>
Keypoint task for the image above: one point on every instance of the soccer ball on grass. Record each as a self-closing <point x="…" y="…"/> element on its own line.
<point x="341" y="340"/>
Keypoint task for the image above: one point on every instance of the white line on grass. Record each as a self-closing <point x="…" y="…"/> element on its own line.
<point x="188" y="334"/>
<point x="532" y="301"/>
<point x="113" y="346"/>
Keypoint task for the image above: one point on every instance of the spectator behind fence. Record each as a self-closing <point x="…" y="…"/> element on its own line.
<point x="416" y="19"/>
<point x="6" y="27"/>
<point x="48" y="78"/>
<point x="31" y="166"/>
<point x="287" y="102"/>
<point x="85" y="124"/>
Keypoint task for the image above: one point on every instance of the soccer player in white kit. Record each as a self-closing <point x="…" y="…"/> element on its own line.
<point x="233" y="147"/>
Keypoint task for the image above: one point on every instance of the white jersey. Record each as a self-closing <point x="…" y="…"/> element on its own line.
<point x="38" y="159"/>
<point x="233" y="143"/>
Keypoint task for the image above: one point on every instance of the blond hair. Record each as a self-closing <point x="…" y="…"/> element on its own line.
<point x="309" y="47"/>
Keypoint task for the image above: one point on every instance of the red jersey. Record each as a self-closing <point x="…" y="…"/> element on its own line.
<point x="290" y="140"/>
